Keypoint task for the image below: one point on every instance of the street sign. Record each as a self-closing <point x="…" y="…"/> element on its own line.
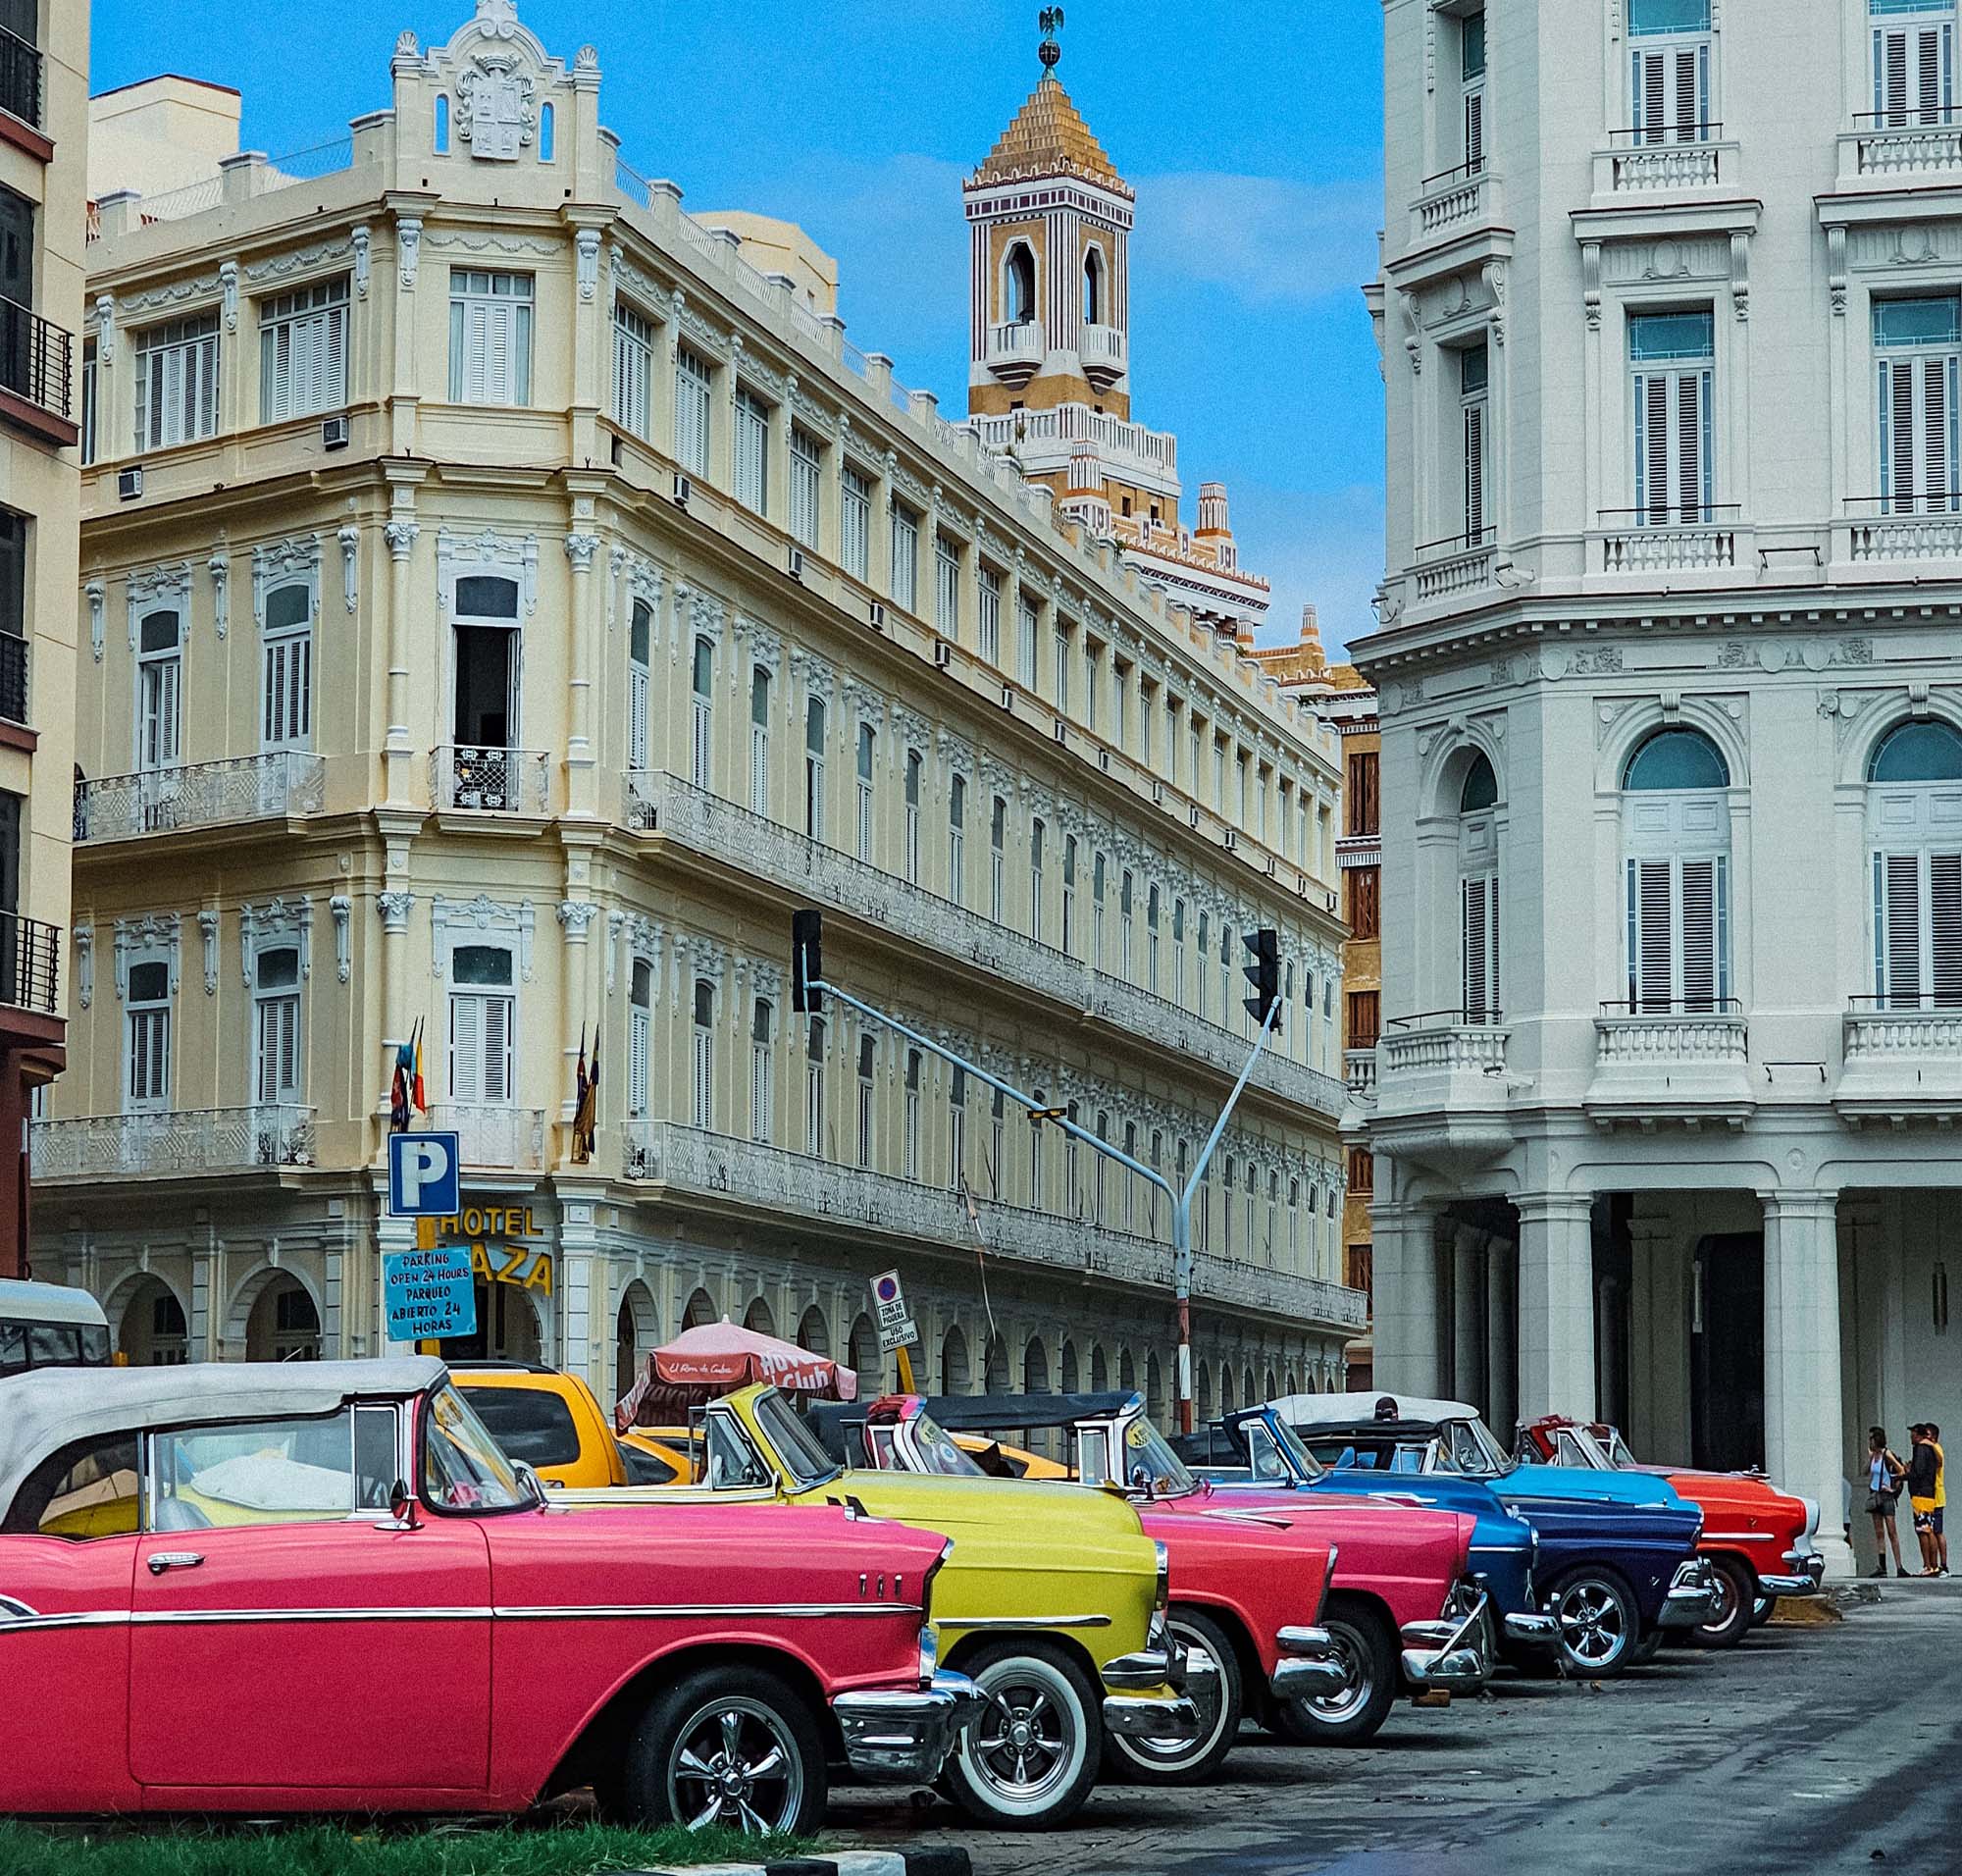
<point x="896" y="1330"/>
<point x="422" y="1175"/>
<point x="428" y="1294"/>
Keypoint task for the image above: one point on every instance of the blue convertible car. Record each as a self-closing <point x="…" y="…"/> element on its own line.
<point x="1616" y="1565"/>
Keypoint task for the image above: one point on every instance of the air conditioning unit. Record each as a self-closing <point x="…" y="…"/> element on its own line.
<point x="1300" y="886"/>
<point x="1192" y="815"/>
<point x="129" y="484"/>
<point x="1061" y="730"/>
<point x="1157" y="794"/>
<point x="1230" y="838"/>
<point x="875" y="615"/>
<point x="797" y="563"/>
<point x="1271" y="866"/>
<point x="682" y="490"/>
<point x="1103" y="761"/>
<point x="334" y="433"/>
<point x="1008" y="696"/>
<point x="943" y="654"/>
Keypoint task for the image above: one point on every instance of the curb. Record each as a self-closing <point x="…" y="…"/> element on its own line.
<point x="849" y="1863"/>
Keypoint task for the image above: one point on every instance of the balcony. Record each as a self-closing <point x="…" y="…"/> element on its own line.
<point x="1660" y="539"/>
<point x="1016" y="352"/>
<point x="494" y="1138"/>
<point x="173" y="1145"/>
<point x="13" y="677"/>
<point x="1453" y="202"/>
<point x="466" y="780"/>
<point x="1674" y="161"/>
<point x="1450" y="567"/>
<point x="853" y="1202"/>
<point x="1660" y="1060"/>
<point x="1903" y="1058"/>
<point x="1442" y="1091"/>
<point x="1046" y="440"/>
<point x="1890" y="147"/>
<point x="805" y="871"/>
<point x="37" y="374"/>
<point x="242" y="788"/>
<point x="1895" y="528"/>
<point x="20" y="79"/>
<point x="1105" y="356"/>
<point x="29" y="965"/>
<point x="1359" y="1067"/>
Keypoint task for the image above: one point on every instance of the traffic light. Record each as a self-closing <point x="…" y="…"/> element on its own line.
<point x="1263" y="972"/>
<point x="806" y="962"/>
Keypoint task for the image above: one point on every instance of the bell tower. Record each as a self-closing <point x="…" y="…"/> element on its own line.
<point x="1049" y="227"/>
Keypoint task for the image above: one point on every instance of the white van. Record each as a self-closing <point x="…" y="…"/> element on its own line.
<point x="46" y="1325"/>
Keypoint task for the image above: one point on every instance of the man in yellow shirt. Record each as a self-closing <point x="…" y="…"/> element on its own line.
<point x="1940" y="1498"/>
<point x="1923" y="1479"/>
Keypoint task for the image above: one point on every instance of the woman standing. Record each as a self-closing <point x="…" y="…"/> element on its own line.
<point x="1884" y="1474"/>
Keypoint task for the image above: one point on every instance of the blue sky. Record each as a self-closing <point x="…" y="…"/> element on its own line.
<point x="1252" y="132"/>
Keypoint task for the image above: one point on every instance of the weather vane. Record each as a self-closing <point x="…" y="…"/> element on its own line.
<point x="1050" y="21"/>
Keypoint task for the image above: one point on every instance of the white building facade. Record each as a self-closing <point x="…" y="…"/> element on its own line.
<point x="1671" y="708"/>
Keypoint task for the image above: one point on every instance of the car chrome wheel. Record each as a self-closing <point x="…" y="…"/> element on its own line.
<point x="1214" y="1687"/>
<point x="1357" y="1679"/>
<point x="1031" y="1753"/>
<point x="1021" y="1739"/>
<point x="735" y="1762"/>
<point x="1594" y="1625"/>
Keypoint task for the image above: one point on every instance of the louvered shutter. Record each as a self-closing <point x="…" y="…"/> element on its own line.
<point x="1690" y="416"/>
<point x="1652" y="447"/>
<point x="1900" y="888"/>
<point x="1650" y="927"/>
<point x="1480" y="947"/>
<point x="1475" y="473"/>
<point x="639" y="1041"/>
<point x="1944" y="922"/>
<point x="698" y="771"/>
<point x="703" y="1102"/>
<point x="637" y="683"/>
<point x="1913" y="73"/>
<point x="761" y="1093"/>
<point x="497" y="1041"/>
<point x="333" y="382"/>
<point x="1701" y="884"/>
<point x="278" y="1079"/>
<point x="466" y="1048"/>
<point x="760" y="769"/>
<point x="1475" y="131"/>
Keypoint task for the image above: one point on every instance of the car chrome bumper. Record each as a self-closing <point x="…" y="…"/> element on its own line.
<point x="1536" y="1631"/>
<point x="1804" y="1571"/>
<point x="1173" y="1722"/>
<point x="1148" y="1669"/>
<point x="1446" y="1655"/>
<point x="1693" y="1596"/>
<point x="905" y="1735"/>
<point x="1310" y="1667"/>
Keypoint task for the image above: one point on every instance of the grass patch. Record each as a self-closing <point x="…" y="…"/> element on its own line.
<point x="426" y="1848"/>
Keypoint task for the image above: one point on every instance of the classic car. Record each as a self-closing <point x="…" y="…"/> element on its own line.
<point x="223" y="1582"/>
<point x="1246" y="1591"/>
<point x="553" y="1422"/>
<point x="1401" y="1608"/>
<point x="1617" y="1567"/>
<point x="1256" y="1449"/>
<point x="1758" y="1540"/>
<point x="1038" y="1628"/>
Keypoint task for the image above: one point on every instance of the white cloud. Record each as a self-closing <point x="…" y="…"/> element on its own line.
<point x="1265" y="238"/>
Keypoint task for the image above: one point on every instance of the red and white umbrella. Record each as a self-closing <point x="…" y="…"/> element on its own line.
<point x="714" y="1359"/>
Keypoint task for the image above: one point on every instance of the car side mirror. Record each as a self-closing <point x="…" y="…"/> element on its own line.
<point x="401" y="1509"/>
<point x="528" y="1475"/>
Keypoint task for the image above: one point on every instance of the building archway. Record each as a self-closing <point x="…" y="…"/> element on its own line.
<point x="700" y="1311"/>
<point x="636" y="1332"/>
<point x="1100" y="1369"/>
<point x="862" y="1355"/>
<point x="954" y="1377"/>
<point x="813" y="1334"/>
<point x="1155" y="1403"/>
<point x="1067" y="1380"/>
<point x="282" y="1323"/>
<point x="1127" y="1372"/>
<point x="1035" y="1366"/>
<point x="508" y="1329"/>
<point x="759" y="1320"/>
<point x="1228" y="1403"/>
<point x="152" y="1330"/>
<point x="1205" y="1392"/>
<point x="995" y="1372"/>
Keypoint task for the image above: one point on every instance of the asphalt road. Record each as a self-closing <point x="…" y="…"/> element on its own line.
<point x="1806" y="1750"/>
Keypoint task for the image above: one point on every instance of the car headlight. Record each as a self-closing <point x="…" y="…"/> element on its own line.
<point x="1162" y="1596"/>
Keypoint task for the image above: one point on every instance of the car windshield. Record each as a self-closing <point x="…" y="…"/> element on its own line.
<point x="1470" y="1448"/>
<point x="804" y="1458"/>
<point x="1149" y="1463"/>
<point x="1304" y="1462"/>
<point x="937" y="1452"/>
<point x="733" y="1463"/>
<point x="1619" y="1455"/>
<point x="463" y="1469"/>
<point x="1576" y="1446"/>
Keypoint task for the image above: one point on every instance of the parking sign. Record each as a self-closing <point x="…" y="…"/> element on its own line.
<point x="897" y="1329"/>
<point x="422" y="1175"/>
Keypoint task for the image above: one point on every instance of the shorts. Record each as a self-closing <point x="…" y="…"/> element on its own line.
<point x="1928" y="1517"/>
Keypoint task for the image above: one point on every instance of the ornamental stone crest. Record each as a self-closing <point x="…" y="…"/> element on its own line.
<point x="496" y="108"/>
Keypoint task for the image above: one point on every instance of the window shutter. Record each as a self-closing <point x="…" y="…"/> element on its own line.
<point x="1649" y="96"/>
<point x="639" y="1036"/>
<point x="498" y="1042"/>
<point x="1688" y="102"/>
<point x="1689" y="445"/>
<point x="1475" y="473"/>
<point x="1944" y="917"/>
<point x="1699" y="935"/>
<point x="702" y="1103"/>
<point x="466" y="1048"/>
<point x="1475" y="131"/>
<point x="1936" y="417"/>
<point x="637" y="716"/>
<point x="699" y="754"/>
<point x="760" y="1092"/>
<point x="760" y="769"/>
<point x="1900" y="895"/>
<point x="1480" y="946"/>
<point x="1652" y="450"/>
<point x="1650" y="926"/>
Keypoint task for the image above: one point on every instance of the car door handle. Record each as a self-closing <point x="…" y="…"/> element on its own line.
<point x="162" y="1560"/>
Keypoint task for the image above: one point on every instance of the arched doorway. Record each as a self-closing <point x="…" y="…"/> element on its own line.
<point x="1248" y="1398"/>
<point x="1127" y="1372"/>
<point x="284" y="1324"/>
<point x="636" y="1332"/>
<point x="862" y="1353"/>
<point x="152" y="1331"/>
<point x="1099" y="1369"/>
<point x="813" y="1334"/>
<point x="997" y="1367"/>
<point x="701" y="1309"/>
<point x="953" y="1377"/>
<point x="1067" y="1378"/>
<point x="1228" y="1402"/>
<point x="759" y="1320"/>
<point x="1155" y="1404"/>
<point x="507" y="1329"/>
<point x="1035" y="1368"/>
<point x="1292" y="1385"/>
<point x="1205" y="1392"/>
<point x="1272" y="1390"/>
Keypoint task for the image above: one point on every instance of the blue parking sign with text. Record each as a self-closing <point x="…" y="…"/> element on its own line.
<point x="429" y="1294"/>
<point x="422" y="1175"/>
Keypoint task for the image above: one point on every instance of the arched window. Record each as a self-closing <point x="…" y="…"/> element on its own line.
<point x="275" y="1026"/>
<point x="759" y="742"/>
<point x="762" y="1071"/>
<point x="814" y="769"/>
<point x="1093" y="287"/>
<point x="703" y="719"/>
<point x="1018" y="286"/>
<point x="702" y="1090"/>
<point x="954" y="1362"/>
<point x="1478" y="893"/>
<point x="640" y="1038"/>
<point x="909" y="1153"/>
<point x="813" y="1089"/>
<point x="915" y="768"/>
<point x="442" y="125"/>
<point x="997" y="838"/>
<point x="866" y="1055"/>
<point x="956" y="839"/>
<point x="865" y="753"/>
<point x="547" y="134"/>
<point x="1914" y="830"/>
<point x="1676" y="834"/>
<point x="640" y="682"/>
<point x="1035" y="1368"/>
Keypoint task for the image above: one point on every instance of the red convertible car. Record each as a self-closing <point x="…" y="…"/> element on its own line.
<point x="228" y="1586"/>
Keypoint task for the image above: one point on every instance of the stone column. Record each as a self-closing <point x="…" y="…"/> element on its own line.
<point x="1556" y="1305"/>
<point x="581" y="796"/>
<point x="1408" y="1344"/>
<point x="398" y="754"/>
<point x="1805" y="1437"/>
<point x="1501" y="1349"/>
<point x="1468" y="1373"/>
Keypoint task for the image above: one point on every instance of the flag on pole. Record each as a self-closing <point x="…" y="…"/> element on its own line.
<point x="582" y="1110"/>
<point x="400" y="1087"/>
<point x="418" y="1093"/>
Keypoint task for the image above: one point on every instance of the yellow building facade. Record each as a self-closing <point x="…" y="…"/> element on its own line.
<point x="505" y="604"/>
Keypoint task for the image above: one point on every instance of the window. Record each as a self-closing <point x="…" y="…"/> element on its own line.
<point x="490" y="336"/>
<point x="1478" y="895"/>
<point x="483" y="1022"/>
<point x="1364" y="886"/>
<point x="159" y="692"/>
<point x="865" y="791"/>
<point x="285" y="712"/>
<point x="1918" y="345"/>
<point x="1124" y="890"/>
<point x="1036" y="1154"/>
<point x="640" y="1038"/>
<point x="905" y="557"/>
<point x="1069" y="893"/>
<point x="762" y="1070"/>
<point x="275" y="1026"/>
<point x="1038" y="841"/>
<point x="640" y="682"/>
<point x="1473" y="379"/>
<point x="1062" y="653"/>
<point x="702" y="721"/>
<point x="1093" y="286"/>
<point x="807" y="471"/>
<point x="1099" y="874"/>
<point x="531" y="1424"/>
<point x="1914" y="821"/>
<point x="1018" y="286"/>
<point x="997" y="835"/>
<point x="91" y="1489"/>
<point x="1027" y="624"/>
<point x="1152" y="937"/>
<point x="1365" y="1017"/>
<point x="146" y="1081"/>
<point x="90" y="386"/>
<point x="945" y="586"/>
<point x="988" y="612"/>
<point x="854" y="528"/>
<point x="694" y="380"/>
<point x="1671" y="356"/>
<point x="957" y="840"/>
<point x="1670" y="55"/>
<point x="1675" y="829"/>
<point x="1205" y="952"/>
<point x="633" y="371"/>
<point x="813" y="1089"/>
<point x="865" y="1116"/>
<point x="701" y="1056"/>
<point x="915" y="767"/>
<point x="1364" y="799"/>
<point x="1226" y="972"/>
<point x="273" y="1472"/>
<point x="814" y="769"/>
<point x="911" y="1142"/>
<point x="1913" y="62"/>
<point x="303" y="353"/>
<point x="759" y="742"/>
<point x="956" y="1132"/>
<point x="998" y="1121"/>
<point x="1472" y="70"/>
<point x="1178" y="951"/>
<point x="753" y="451"/>
<point x="177" y="382"/>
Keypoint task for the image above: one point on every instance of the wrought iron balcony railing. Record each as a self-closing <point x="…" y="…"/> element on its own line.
<point x="13" y="677"/>
<point x="494" y="1137"/>
<point x="36" y="359"/>
<point x="20" y="79"/>
<point x="475" y="780"/>
<point x="200" y="795"/>
<point x="174" y="1144"/>
<point x="29" y="965"/>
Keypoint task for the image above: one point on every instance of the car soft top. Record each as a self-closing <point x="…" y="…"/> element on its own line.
<point x="985" y="1413"/>
<point x="1349" y="1410"/>
<point x="49" y="1408"/>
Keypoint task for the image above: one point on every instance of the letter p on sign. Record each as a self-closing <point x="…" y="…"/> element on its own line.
<point x="422" y="1175"/>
